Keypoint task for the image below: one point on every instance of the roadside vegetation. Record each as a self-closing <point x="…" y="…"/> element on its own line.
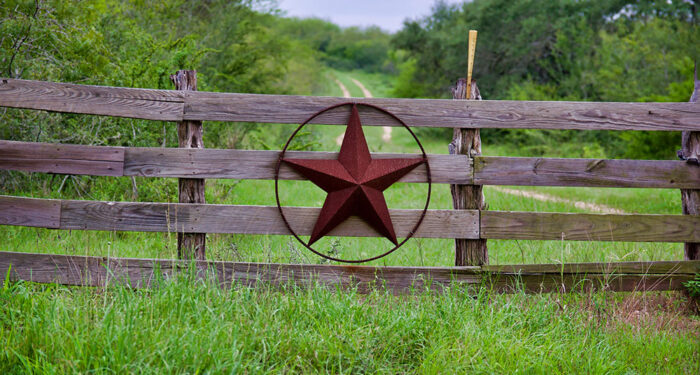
<point x="603" y="50"/>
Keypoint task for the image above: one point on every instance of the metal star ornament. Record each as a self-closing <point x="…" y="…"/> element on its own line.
<point x="355" y="183"/>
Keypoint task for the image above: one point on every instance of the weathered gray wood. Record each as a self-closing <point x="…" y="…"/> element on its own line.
<point x="61" y="158"/>
<point x="147" y="104"/>
<point x="30" y="212"/>
<point x="190" y="190"/>
<point x="448" y="113"/>
<point x="209" y="218"/>
<point x="98" y="271"/>
<point x="200" y="163"/>
<point x="674" y="267"/>
<point x="690" y="149"/>
<point x="201" y="218"/>
<point x="585" y="172"/>
<point x="254" y="164"/>
<point x="467" y="142"/>
<point x="143" y="273"/>
<point x="589" y="227"/>
<point x="202" y="106"/>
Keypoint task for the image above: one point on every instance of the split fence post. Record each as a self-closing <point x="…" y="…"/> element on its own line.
<point x="468" y="197"/>
<point x="190" y="190"/>
<point x="690" y="151"/>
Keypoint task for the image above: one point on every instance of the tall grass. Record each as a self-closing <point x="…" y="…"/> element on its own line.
<point x="188" y="326"/>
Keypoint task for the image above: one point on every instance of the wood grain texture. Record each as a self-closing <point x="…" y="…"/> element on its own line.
<point x="467" y="142"/>
<point x="61" y="158"/>
<point x="690" y="150"/>
<point x="447" y="113"/>
<point x="585" y="172"/>
<point x="589" y="227"/>
<point x="190" y="190"/>
<point x="165" y="105"/>
<point x="195" y="163"/>
<point x="99" y="271"/>
<point x="202" y="106"/>
<point x="203" y="218"/>
<point x="30" y="212"/>
<point x="260" y="165"/>
<point x="143" y="273"/>
<point x="255" y="164"/>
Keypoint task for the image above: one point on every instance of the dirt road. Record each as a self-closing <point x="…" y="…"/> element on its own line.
<point x="386" y="136"/>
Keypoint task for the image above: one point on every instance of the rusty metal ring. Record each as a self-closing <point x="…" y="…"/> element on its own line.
<point x="284" y="150"/>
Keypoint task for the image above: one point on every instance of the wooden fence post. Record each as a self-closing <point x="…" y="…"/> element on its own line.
<point x="690" y="150"/>
<point x="468" y="197"/>
<point x="190" y="190"/>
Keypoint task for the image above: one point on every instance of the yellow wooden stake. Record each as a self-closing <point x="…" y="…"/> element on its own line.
<point x="470" y="60"/>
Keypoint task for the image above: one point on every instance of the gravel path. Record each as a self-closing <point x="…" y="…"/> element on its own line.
<point x="386" y="136"/>
<point x="550" y="198"/>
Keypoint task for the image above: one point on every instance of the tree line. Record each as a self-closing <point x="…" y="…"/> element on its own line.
<point x="592" y="50"/>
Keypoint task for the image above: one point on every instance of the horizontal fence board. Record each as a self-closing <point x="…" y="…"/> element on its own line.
<point x="170" y="105"/>
<point x="209" y="218"/>
<point x="254" y="164"/>
<point x="30" y="212"/>
<point x="680" y="267"/>
<point x="589" y="227"/>
<point x="259" y="164"/>
<point x="140" y="273"/>
<point x="165" y="105"/>
<point x="195" y="163"/>
<point x="62" y="158"/>
<point x="203" y="218"/>
<point x="99" y="271"/>
<point x="585" y="172"/>
<point x="447" y="113"/>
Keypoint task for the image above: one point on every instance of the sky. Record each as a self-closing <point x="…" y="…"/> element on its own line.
<point x="387" y="14"/>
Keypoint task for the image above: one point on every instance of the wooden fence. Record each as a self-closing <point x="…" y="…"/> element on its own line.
<point x="188" y="108"/>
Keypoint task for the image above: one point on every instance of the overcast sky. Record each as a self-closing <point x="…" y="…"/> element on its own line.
<point x="387" y="14"/>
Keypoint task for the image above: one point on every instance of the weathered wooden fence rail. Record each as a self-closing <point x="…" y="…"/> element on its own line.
<point x="103" y="271"/>
<point x="166" y="105"/>
<point x="459" y="169"/>
<point x="468" y="224"/>
<point x="257" y="164"/>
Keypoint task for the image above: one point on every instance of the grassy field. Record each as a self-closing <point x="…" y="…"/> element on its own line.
<point x="187" y="326"/>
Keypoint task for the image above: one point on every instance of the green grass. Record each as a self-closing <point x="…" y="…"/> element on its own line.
<point x="188" y="326"/>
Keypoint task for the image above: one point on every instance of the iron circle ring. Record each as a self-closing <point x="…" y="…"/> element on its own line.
<point x="279" y="164"/>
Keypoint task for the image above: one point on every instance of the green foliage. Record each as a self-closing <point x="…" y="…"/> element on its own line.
<point x="139" y="44"/>
<point x="693" y="287"/>
<point x="341" y="48"/>
<point x="603" y="50"/>
<point x="405" y="87"/>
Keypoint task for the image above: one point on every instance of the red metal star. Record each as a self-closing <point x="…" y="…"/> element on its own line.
<point x="354" y="183"/>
